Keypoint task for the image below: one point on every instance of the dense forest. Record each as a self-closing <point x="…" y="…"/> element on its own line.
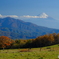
<point x="41" y="41"/>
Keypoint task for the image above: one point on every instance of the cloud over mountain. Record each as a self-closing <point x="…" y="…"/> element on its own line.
<point x="14" y="16"/>
<point x="43" y="15"/>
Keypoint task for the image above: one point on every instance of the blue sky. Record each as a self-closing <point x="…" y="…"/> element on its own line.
<point x="30" y="7"/>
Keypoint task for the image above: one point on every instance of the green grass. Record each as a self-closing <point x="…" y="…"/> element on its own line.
<point x="49" y="52"/>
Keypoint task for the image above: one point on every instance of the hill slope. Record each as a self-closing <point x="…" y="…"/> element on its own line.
<point x="18" y="29"/>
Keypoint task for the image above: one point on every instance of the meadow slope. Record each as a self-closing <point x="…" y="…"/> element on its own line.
<point x="49" y="52"/>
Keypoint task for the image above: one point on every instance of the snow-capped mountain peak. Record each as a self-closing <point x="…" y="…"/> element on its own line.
<point x="43" y="15"/>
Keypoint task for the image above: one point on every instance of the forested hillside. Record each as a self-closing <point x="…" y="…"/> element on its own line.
<point x="18" y="29"/>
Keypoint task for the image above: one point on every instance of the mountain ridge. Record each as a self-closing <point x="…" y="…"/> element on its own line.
<point x="18" y="29"/>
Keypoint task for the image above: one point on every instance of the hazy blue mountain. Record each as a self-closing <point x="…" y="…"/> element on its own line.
<point x="18" y="29"/>
<point x="46" y="22"/>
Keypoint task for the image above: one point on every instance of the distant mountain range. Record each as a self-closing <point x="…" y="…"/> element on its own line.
<point x="18" y="29"/>
<point x="46" y="22"/>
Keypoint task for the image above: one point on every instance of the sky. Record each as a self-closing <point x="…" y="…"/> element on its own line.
<point x="29" y="7"/>
<point x="17" y="8"/>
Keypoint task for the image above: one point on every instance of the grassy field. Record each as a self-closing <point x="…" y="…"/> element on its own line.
<point x="50" y="52"/>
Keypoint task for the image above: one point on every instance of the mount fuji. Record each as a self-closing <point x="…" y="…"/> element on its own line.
<point x="43" y="20"/>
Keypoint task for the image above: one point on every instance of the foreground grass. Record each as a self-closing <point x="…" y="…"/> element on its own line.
<point x="50" y="52"/>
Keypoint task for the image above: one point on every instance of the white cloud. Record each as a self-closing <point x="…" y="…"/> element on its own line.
<point x="43" y="15"/>
<point x="2" y="16"/>
<point x="11" y="16"/>
<point x="28" y="16"/>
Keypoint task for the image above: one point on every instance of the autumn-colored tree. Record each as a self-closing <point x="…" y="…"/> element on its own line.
<point x="57" y="38"/>
<point x="44" y="40"/>
<point x="51" y="39"/>
<point x="40" y="41"/>
<point x="29" y="43"/>
<point x="16" y="44"/>
<point x="22" y="43"/>
<point x="5" y="41"/>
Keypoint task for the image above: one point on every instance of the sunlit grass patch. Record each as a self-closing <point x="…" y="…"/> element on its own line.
<point x="34" y="54"/>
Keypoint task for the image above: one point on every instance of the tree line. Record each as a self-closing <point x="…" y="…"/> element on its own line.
<point x="40" y="41"/>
